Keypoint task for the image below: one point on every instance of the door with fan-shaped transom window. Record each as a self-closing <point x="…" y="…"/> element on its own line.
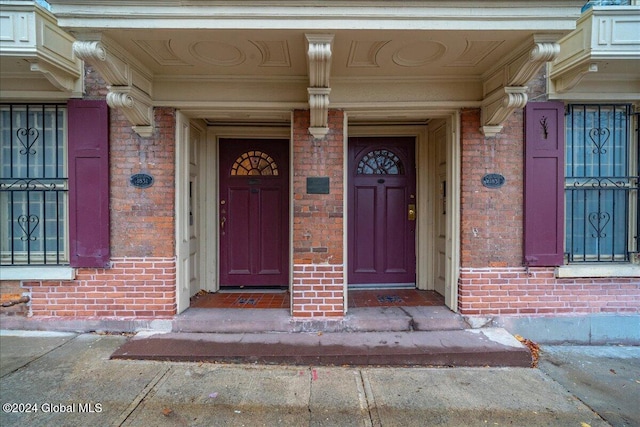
<point x="382" y="211"/>
<point x="253" y="215"/>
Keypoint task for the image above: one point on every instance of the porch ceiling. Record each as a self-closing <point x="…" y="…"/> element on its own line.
<point x="264" y="54"/>
<point x="219" y="59"/>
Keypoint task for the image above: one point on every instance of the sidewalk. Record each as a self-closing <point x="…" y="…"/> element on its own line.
<point x="71" y="381"/>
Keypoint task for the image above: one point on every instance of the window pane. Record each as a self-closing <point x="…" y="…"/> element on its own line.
<point x="33" y="184"/>
<point x="598" y="185"/>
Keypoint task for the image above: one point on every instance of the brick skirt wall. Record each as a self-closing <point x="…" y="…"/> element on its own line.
<point x="536" y="291"/>
<point x="131" y="288"/>
<point x="318" y="290"/>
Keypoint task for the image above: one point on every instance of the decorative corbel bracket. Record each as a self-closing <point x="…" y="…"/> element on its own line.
<point x="136" y="105"/>
<point x="61" y="80"/>
<point x="565" y="81"/>
<point x="129" y="84"/>
<point x="505" y="87"/>
<point x="499" y="106"/>
<point x="319" y="61"/>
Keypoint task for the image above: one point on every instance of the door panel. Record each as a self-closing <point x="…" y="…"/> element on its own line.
<point x="271" y="231"/>
<point x="237" y="231"/>
<point x="364" y="230"/>
<point x="253" y="206"/>
<point x="395" y="242"/>
<point x="381" y="188"/>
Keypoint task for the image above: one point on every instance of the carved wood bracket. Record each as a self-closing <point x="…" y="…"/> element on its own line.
<point x="319" y="62"/>
<point x="129" y="84"/>
<point x="505" y="87"/>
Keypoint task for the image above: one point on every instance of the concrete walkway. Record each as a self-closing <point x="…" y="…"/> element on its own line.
<point x="68" y="379"/>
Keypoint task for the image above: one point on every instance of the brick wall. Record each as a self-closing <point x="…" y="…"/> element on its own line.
<point x="493" y="280"/>
<point x="536" y="291"/>
<point x="142" y="220"/>
<point x="141" y="282"/>
<point x="132" y="287"/>
<point x="491" y="219"/>
<point x="318" y="220"/>
<point x="318" y="290"/>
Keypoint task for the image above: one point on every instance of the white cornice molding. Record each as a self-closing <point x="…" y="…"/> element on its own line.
<point x="505" y="87"/>
<point x="319" y="61"/>
<point x="379" y="15"/>
<point x="129" y="84"/>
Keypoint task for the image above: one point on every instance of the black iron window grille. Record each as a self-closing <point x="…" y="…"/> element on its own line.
<point x="33" y="185"/>
<point x="601" y="184"/>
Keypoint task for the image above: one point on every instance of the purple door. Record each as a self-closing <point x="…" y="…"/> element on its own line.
<point x="382" y="211"/>
<point x="254" y="221"/>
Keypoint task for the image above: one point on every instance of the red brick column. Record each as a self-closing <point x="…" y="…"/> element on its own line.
<point x="318" y="222"/>
<point x="491" y="218"/>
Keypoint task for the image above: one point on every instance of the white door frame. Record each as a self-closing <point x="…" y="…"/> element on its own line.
<point x="210" y="244"/>
<point x="182" y="141"/>
<point x="427" y="199"/>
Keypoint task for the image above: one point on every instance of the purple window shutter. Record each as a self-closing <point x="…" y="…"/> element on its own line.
<point x="88" y="142"/>
<point x="544" y="184"/>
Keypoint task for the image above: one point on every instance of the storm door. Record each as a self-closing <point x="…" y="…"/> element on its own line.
<point x="253" y="214"/>
<point x="382" y="211"/>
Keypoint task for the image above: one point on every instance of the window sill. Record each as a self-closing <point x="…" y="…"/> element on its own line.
<point x="37" y="273"/>
<point x="593" y="270"/>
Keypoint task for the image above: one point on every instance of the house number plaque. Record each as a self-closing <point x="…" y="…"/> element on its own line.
<point x="141" y="180"/>
<point x="318" y="185"/>
<point x="493" y="180"/>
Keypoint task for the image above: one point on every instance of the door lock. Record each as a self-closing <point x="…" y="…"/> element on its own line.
<point x="412" y="212"/>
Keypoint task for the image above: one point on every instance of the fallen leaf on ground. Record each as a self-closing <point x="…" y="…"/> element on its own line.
<point x="167" y="411"/>
<point x="585" y="425"/>
<point x="613" y="371"/>
<point x="533" y="348"/>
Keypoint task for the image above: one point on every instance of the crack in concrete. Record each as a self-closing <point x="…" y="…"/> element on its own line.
<point x="412" y="322"/>
<point x="369" y="400"/>
<point x="35" y="359"/>
<point x="310" y="396"/>
<point x="148" y="391"/>
<point x="362" y="398"/>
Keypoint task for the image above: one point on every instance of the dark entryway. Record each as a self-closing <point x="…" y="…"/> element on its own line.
<point x="382" y="211"/>
<point x="254" y="220"/>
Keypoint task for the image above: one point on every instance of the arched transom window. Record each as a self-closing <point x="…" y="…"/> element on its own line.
<point x="254" y="163"/>
<point x="380" y="162"/>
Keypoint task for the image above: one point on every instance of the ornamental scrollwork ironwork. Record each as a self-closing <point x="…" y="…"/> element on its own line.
<point x="599" y="137"/>
<point x="599" y="221"/>
<point x="28" y="184"/>
<point x="30" y="136"/>
<point x="604" y="182"/>
<point x="28" y="224"/>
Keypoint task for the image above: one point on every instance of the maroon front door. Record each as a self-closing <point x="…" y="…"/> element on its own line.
<point x="254" y="220"/>
<point x="382" y="210"/>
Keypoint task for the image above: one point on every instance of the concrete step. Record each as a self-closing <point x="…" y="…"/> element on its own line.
<point x="465" y="347"/>
<point x="373" y="319"/>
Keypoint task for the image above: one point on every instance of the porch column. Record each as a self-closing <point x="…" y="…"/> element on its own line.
<point x="318" y="221"/>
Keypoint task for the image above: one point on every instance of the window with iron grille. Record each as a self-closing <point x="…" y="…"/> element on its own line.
<point x="601" y="184"/>
<point x="33" y="185"/>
